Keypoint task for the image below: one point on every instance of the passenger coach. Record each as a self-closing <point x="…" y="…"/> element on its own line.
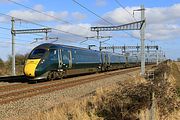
<point x="52" y="61"/>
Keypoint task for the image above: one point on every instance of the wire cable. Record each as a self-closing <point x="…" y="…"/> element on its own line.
<point x="100" y="17"/>
<point x="92" y="12"/>
<point x="5" y="28"/>
<point x="43" y="25"/>
<point x="10" y="30"/>
<point x="125" y="9"/>
<point x="10" y="39"/>
<point x="38" y="11"/>
<point x="58" y="19"/>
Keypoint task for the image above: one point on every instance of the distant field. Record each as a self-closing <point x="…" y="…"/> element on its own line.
<point x="129" y="99"/>
<point x="176" y="73"/>
<point x="6" y="70"/>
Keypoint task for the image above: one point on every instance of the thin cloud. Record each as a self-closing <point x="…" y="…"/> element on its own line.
<point x="35" y="16"/>
<point x="78" y="16"/>
<point x="38" y="17"/>
<point x="101" y="3"/>
<point x="163" y="23"/>
<point x="79" y="29"/>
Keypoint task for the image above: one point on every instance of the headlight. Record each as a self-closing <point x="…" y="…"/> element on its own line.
<point x="42" y="61"/>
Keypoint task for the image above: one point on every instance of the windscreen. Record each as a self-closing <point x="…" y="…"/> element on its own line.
<point x="37" y="53"/>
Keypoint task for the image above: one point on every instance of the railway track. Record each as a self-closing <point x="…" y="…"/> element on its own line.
<point x="18" y="78"/>
<point x="10" y="94"/>
<point x="47" y="87"/>
<point x="20" y="81"/>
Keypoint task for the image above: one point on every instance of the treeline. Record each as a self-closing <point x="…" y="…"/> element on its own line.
<point x="178" y="59"/>
<point x="5" y="66"/>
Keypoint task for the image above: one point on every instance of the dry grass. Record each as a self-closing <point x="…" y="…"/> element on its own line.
<point x="128" y="100"/>
<point x="6" y="70"/>
<point x="176" y="73"/>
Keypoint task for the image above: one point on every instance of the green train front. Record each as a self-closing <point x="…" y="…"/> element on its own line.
<point x="41" y="60"/>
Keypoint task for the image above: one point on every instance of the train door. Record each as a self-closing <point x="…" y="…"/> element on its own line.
<point x="107" y="61"/>
<point x="108" y="58"/>
<point x="66" y="58"/>
<point x="103" y="58"/>
<point x="70" y="59"/>
<point x="60" y="58"/>
<point x="104" y="61"/>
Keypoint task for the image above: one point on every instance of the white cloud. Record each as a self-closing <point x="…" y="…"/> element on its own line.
<point x="35" y="16"/>
<point x="101" y="3"/>
<point x="163" y="14"/>
<point x="79" y="29"/>
<point x="163" y="31"/>
<point x="43" y="16"/>
<point x="119" y="15"/>
<point x="78" y="16"/>
<point x="163" y="23"/>
<point x="39" y="7"/>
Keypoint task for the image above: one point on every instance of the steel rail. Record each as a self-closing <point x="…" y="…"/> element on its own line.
<point x="17" y="95"/>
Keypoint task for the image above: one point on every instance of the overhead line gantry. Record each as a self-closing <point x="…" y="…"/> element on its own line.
<point x="139" y="25"/>
<point x="25" y="31"/>
<point x="130" y="26"/>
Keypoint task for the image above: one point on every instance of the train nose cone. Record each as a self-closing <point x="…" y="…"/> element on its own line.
<point x="30" y="67"/>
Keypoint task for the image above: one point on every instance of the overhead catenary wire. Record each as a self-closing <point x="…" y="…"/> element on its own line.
<point x="43" y="13"/>
<point x="37" y="11"/>
<point x="6" y="34"/>
<point x="92" y="12"/>
<point x="17" y="36"/>
<point x="10" y="39"/>
<point x="100" y="16"/>
<point x="29" y="28"/>
<point x="125" y="9"/>
<point x="4" y="28"/>
<point x="26" y="40"/>
<point x="43" y="25"/>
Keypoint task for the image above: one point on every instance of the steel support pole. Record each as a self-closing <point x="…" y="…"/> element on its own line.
<point x="113" y="48"/>
<point x="157" y="57"/>
<point x="148" y="58"/>
<point x="142" y="34"/>
<point x="13" y="48"/>
<point x="99" y="41"/>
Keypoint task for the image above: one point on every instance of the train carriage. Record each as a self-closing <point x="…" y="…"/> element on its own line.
<point x="52" y="61"/>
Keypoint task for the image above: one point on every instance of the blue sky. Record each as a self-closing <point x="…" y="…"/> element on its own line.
<point x="163" y="23"/>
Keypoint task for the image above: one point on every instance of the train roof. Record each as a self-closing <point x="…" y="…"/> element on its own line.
<point x="51" y="45"/>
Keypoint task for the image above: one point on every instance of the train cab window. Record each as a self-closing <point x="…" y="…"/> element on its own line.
<point x="37" y="53"/>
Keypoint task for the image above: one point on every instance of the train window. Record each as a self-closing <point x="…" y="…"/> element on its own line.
<point x="65" y="57"/>
<point x="37" y="53"/>
<point x="53" y="56"/>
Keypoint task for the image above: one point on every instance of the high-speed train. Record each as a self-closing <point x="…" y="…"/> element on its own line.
<point x="52" y="61"/>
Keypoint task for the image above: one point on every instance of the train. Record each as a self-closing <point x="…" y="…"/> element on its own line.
<point x="54" y="61"/>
